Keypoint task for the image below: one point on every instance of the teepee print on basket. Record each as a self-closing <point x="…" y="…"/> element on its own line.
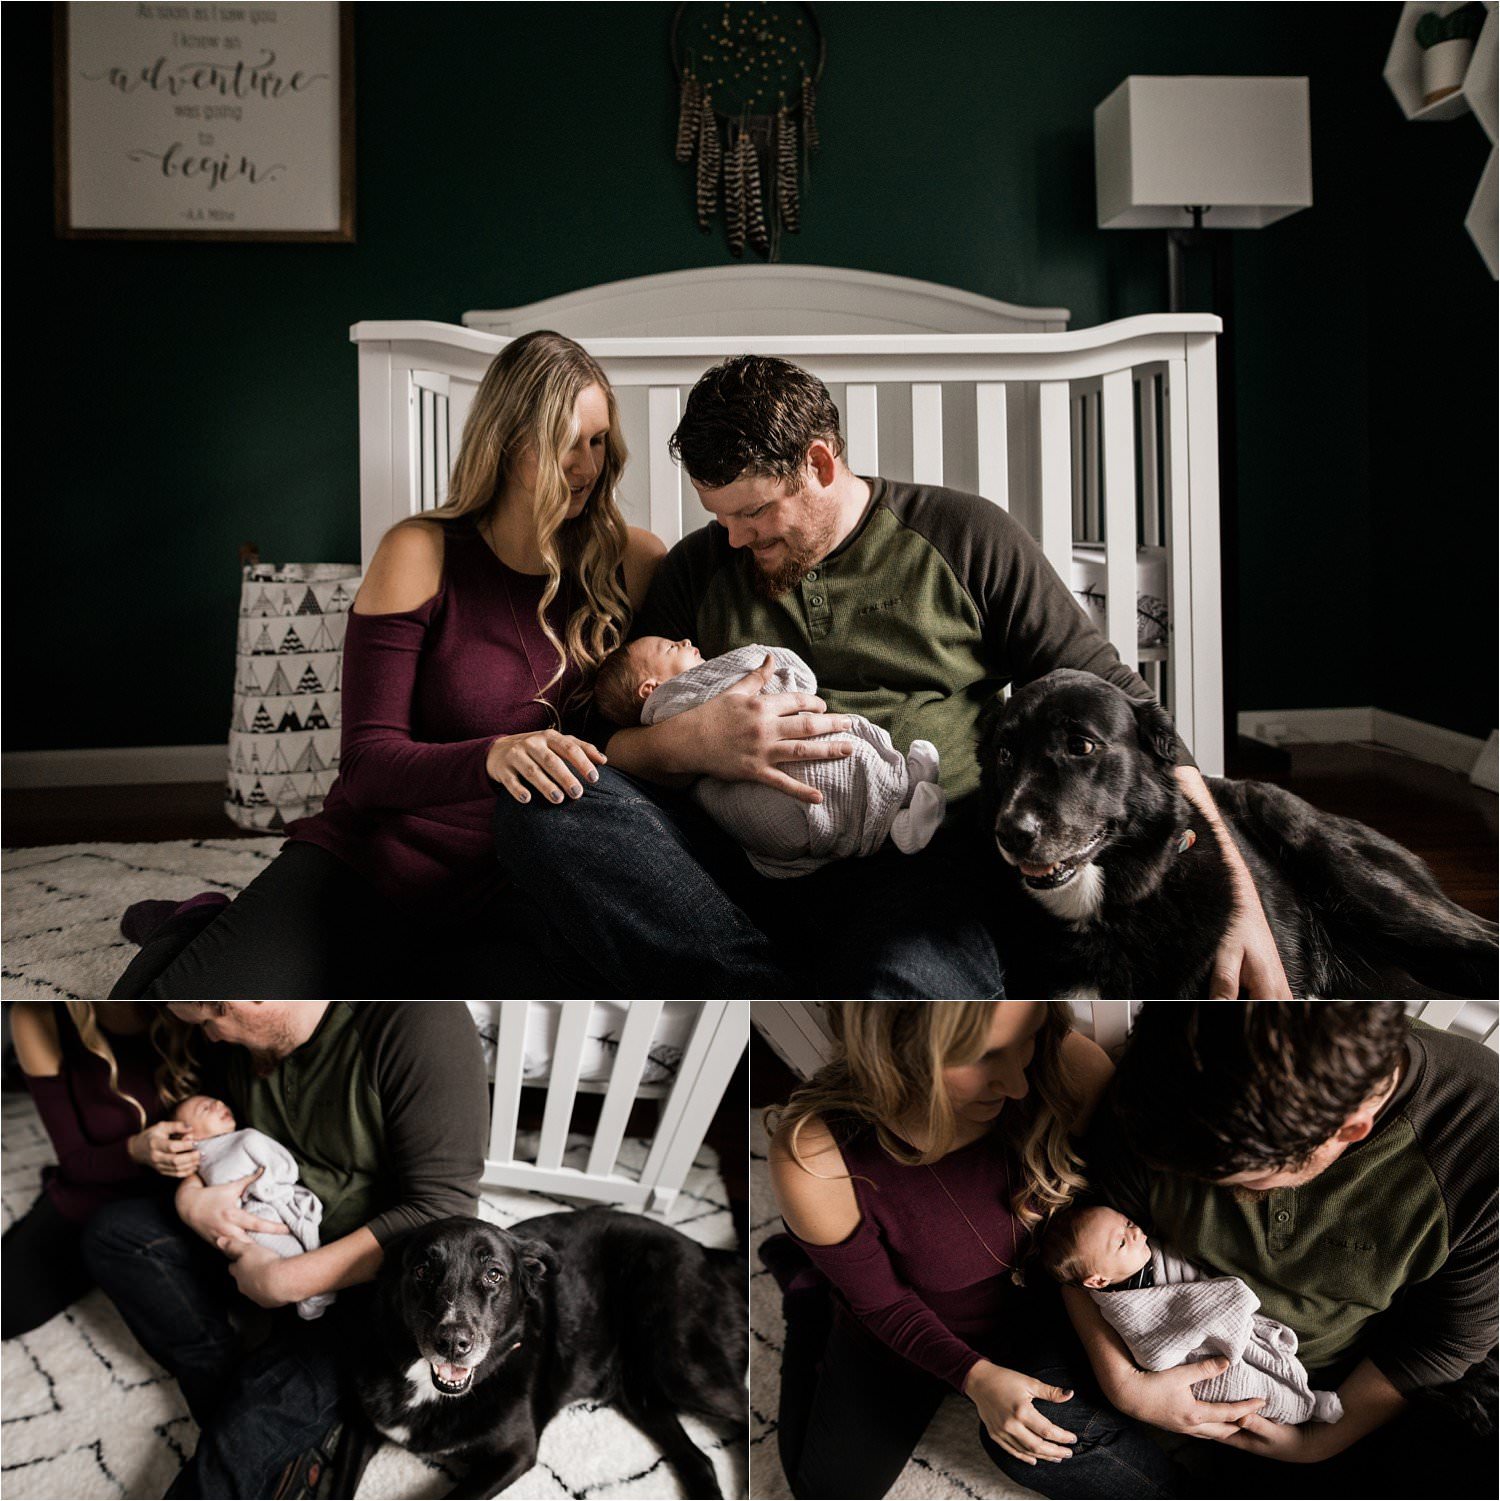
<point x="747" y="109"/>
<point x="284" y="730"/>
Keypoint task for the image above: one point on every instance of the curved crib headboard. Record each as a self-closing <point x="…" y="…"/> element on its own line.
<point x="748" y="301"/>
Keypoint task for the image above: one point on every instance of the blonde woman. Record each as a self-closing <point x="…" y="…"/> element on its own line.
<point x="912" y="1174"/>
<point x="466" y="667"/>
<point x="102" y="1076"/>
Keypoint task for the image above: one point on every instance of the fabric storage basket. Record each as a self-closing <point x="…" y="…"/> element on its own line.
<point x="284" y="731"/>
<point x="1151" y="623"/>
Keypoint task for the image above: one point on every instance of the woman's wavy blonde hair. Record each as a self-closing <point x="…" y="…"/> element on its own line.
<point x="526" y="401"/>
<point x="176" y="1075"/>
<point x="889" y="1069"/>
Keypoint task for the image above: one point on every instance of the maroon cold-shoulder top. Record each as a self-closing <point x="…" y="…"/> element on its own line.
<point x="920" y="1270"/>
<point x="426" y="692"/>
<point x="90" y="1125"/>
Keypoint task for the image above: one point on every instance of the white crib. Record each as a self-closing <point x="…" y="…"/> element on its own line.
<point x="1104" y="436"/>
<point x="719" y="1035"/>
<point x="799" y="1033"/>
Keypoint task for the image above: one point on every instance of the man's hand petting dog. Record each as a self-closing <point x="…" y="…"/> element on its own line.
<point x="214" y="1214"/>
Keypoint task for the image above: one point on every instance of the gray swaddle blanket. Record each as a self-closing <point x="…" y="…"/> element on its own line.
<point x="1189" y="1315"/>
<point x="868" y="795"/>
<point x="275" y="1195"/>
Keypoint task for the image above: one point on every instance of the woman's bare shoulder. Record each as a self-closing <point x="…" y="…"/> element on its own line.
<point x="1089" y="1070"/>
<point x="813" y="1188"/>
<point x="643" y="552"/>
<point x="34" y="1032"/>
<point x="406" y="571"/>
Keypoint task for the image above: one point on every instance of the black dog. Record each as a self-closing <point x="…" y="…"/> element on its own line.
<point x="483" y="1335"/>
<point x="1134" y="890"/>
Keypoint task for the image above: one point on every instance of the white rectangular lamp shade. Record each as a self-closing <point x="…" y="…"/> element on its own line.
<point x="1240" y="147"/>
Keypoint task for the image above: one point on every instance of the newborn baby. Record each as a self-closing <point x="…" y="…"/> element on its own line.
<point x="225" y="1154"/>
<point x="1168" y="1313"/>
<point x="868" y="795"/>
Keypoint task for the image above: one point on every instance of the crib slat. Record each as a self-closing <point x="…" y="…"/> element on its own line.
<point x="630" y="1059"/>
<point x="1093" y="520"/>
<point x="926" y="433"/>
<point x="1492" y="1039"/>
<point x="1081" y="531"/>
<point x="1440" y="1014"/>
<point x="863" y="418"/>
<point x="1111" y="1024"/>
<point x="1119" y="518"/>
<point x="708" y="1062"/>
<point x="562" y="1081"/>
<point x="665" y="505"/>
<point x="429" y="423"/>
<point x="993" y="454"/>
<point x="510" y="1064"/>
<point x="1150" y="477"/>
<point x="1202" y="478"/>
<point x="1179" y="571"/>
<point x="440" y="461"/>
<point x="1054" y="454"/>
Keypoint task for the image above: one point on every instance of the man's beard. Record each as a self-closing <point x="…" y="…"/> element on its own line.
<point x="804" y="550"/>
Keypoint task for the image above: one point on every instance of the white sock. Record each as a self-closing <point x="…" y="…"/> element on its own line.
<point x="922" y="762"/>
<point x="914" y="826"/>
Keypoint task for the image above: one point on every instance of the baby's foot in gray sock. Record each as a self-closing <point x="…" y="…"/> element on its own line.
<point x="913" y="827"/>
<point x="922" y="762"/>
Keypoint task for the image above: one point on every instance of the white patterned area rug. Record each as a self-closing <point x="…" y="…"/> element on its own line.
<point x="63" y="903"/>
<point x="948" y="1463"/>
<point x="87" y="1414"/>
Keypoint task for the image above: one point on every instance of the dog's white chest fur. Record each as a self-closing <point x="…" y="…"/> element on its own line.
<point x="419" y="1380"/>
<point x="1079" y="901"/>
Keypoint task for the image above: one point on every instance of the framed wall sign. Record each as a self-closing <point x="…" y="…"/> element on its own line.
<point x="204" y="122"/>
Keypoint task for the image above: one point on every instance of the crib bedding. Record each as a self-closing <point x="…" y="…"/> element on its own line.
<point x="606" y="1021"/>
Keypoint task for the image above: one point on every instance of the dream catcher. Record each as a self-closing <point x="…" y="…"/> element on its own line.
<point x="748" y="114"/>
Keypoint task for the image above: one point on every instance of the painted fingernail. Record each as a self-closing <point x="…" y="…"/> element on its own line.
<point x="593" y="776"/>
<point x="575" y="791"/>
<point x="555" y="796"/>
<point x="524" y="797"/>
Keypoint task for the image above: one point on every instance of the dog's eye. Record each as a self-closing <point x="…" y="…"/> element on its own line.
<point x="1081" y="745"/>
<point x="493" y="1275"/>
<point x="420" y="1271"/>
<point x="1003" y="756"/>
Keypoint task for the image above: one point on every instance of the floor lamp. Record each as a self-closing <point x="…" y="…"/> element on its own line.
<point x="1194" y="156"/>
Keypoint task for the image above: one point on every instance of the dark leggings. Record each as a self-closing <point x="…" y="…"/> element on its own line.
<point x="311" y="927"/>
<point x="852" y="1411"/>
<point x="44" y="1269"/>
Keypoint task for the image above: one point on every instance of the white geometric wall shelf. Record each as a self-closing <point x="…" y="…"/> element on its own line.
<point x="1403" y="65"/>
<point x="1481" y="221"/>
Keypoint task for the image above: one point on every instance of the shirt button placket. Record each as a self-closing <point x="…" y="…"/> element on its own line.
<point x="1283" y="1218"/>
<point x="815" y="604"/>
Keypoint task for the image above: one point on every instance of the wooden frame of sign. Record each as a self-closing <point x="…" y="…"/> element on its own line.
<point x="204" y="122"/>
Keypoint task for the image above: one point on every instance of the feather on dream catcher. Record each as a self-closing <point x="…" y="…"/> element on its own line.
<point x="747" y="115"/>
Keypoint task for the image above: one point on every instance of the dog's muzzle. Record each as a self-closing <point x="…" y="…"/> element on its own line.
<point x="1055" y="873"/>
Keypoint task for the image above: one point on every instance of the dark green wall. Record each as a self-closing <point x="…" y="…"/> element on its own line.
<point x="167" y="402"/>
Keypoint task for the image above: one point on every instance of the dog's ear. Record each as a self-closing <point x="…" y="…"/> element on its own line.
<point x="536" y="1261"/>
<point x="990" y="718"/>
<point x="1158" y="733"/>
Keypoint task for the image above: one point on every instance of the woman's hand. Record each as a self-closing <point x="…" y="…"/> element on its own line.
<point x="1005" y="1401"/>
<point x="215" y="1213"/>
<point x="547" y="759"/>
<point x="167" y="1148"/>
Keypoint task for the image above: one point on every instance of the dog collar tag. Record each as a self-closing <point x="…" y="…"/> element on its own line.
<point x="1188" y="840"/>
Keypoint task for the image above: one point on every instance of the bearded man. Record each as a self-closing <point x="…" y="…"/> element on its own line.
<point x="913" y="605"/>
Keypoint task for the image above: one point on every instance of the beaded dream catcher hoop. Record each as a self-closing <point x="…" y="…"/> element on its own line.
<point x="748" y="112"/>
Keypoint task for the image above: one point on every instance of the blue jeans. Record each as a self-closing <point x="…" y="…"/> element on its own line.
<point x="852" y="1410"/>
<point x="636" y="884"/>
<point x="256" y="1413"/>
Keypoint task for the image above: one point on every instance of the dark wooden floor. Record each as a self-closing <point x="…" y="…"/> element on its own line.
<point x="1436" y="813"/>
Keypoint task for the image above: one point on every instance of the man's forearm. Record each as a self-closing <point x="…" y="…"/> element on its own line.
<point x="1370" y="1401"/>
<point x="1105" y="1349"/>
<point x="346" y="1262"/>
<point x="665" y="753"/>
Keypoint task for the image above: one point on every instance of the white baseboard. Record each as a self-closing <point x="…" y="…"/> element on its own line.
<point x="125" y="765"/>
<point x="1426" y="742"/>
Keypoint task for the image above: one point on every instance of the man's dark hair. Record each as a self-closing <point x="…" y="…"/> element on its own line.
<point x="753" y="415"/>
<point x="1214" y="1088"/>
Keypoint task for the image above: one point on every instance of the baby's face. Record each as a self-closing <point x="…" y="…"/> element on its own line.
<point x="1112" y="1247"/>
<point x="205" y="1115"/>
<point x="657" y="659"/>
